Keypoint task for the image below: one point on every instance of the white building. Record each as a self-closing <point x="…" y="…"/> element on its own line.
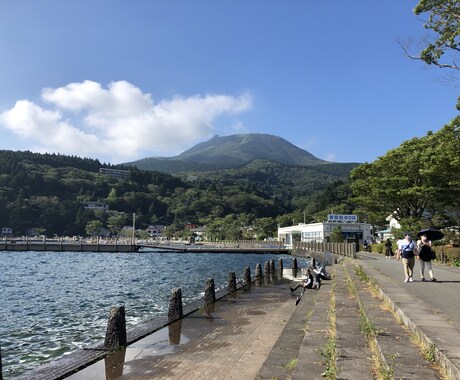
<point x="386" y="234"/>
<point x="116" y="173"/>
<point x="155" y="230"/>
<point x="96" y="206"/>
<point x="352" y="230"/>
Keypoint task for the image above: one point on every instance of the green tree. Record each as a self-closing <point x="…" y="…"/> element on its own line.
<point x="444" y="21"/>
<point x="414" y="181"/>
<point x="143" y="234"/>
<point x="169" y="231"/>
<point x="290" y="219"/>
<point x="337" y="235"/>
<point x="116" y="221"/>
<point x="112" y="194"/>
<point x="264" y="228"/>
<point x="214" y="229"/>
<point x="93" y="227"/>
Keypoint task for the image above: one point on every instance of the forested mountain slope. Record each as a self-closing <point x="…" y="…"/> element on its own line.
<point x="49" y="193"/>
<point x="231" y="152"/>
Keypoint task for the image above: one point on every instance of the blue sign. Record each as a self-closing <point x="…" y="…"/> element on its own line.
<point x="342" y="218"/>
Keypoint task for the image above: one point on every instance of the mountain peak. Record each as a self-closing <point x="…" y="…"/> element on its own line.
<point x="234" y="151"/>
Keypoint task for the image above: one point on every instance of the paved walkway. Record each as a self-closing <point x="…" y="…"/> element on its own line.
<point x="430" y="309"/>
<point x="231" y="341"/>
<point x="442" y="296"/>
<point x="260" y="332"/>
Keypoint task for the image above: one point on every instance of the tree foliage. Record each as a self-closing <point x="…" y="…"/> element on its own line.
<point x="36" y="193"/>
<point x="337" y="235"/>
<point x="444" y="21"/>
<point x="93" y="228"/>
<point x="417" y="180"/>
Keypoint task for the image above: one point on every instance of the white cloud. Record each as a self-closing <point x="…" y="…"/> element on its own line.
<point x="310" y="142"/>
<point x="119" y="123"/>
<point x="238" y="126"/>
<point x="330" y="157"/>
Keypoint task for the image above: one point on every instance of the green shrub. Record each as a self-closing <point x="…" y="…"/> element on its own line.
<point x="378" y="247"/>
<point x="448" y="254"/>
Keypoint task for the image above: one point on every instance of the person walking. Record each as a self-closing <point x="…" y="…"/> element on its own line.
<point x="365" y="245"/>
<point x="407" y="250"/>
<point x="388" y="249"/>
<point x="425" y="255"/>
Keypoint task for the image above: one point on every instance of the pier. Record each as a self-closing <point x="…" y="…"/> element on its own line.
<point x="62" y="246"/>
<point x="216" y="248"/>
<point x="81" y="246"/>
<point x="129" y="245"/>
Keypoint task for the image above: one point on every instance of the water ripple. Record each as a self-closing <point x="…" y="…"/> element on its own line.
<point x="56" y="302"/>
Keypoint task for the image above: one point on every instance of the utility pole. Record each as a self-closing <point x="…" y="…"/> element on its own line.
<point x="134" y="227"/>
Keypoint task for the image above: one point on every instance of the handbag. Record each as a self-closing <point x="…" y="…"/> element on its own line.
<point x="426" y="253"/>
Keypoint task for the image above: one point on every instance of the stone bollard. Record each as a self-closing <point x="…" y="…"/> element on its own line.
<point x="114" y="364"/>
<point x="280" y="265"/>
<point x="266" y="268"/>
<point x="175" y="305"/>
<point x="272" y="265"/>
<point x="259" y="270"/>
<point x="231" y="282"/>
<point x="294" y="263"/>
<point x="174" y="332"/>
<point x="247" y="275"/>
<point x="209" y="292"/>
<point x="115" y="336"/>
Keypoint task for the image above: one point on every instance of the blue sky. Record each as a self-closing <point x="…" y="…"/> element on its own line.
<point x="123" y="80"/>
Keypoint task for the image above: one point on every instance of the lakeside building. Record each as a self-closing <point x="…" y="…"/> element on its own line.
<point x="116" y="173"/>
<point x="7" y="231"/>
<point x="96" y="206"/>
<point x="387" y="233"/>
<point x="198" y="232"/>
<point x="352" y="230"/>
<point x="155" y="230"/>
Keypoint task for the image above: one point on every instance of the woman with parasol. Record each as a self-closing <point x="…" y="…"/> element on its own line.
<point x="425" y="252"/>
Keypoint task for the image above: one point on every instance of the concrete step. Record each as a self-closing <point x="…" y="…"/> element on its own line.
<point x="401" y="358"/>
<point x="310" y="363"/>
<point x="353" y="359"/>
<point x="307" y="323"/>
<point x="297" y="353"/>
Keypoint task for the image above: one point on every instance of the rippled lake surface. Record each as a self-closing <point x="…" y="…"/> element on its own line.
<point x="55" y="302"/>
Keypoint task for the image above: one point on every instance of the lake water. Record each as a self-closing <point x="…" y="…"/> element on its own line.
<point x="55" y="302"/>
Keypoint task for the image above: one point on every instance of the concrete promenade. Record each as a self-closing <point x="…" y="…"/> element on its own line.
<point x="430" y="309"/>
<point x="260" y="333"/>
